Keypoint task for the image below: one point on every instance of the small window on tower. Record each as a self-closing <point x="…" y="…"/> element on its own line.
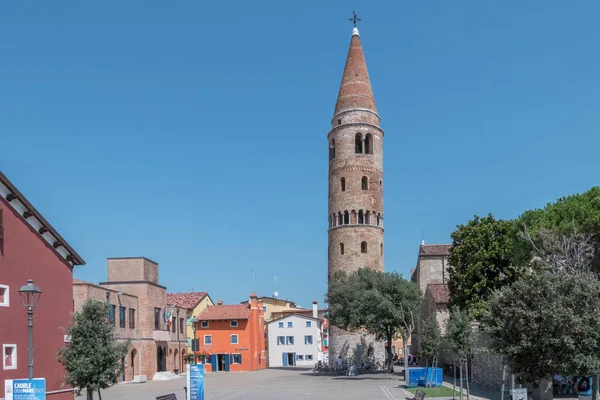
<point x="365" y="183"/>
<point x="343" y="183"/>
<point x="339" y="121"/>
<point x="381" y="248"/>
<point x="346" y="218"/>
<point x="361" y="217"/>
<point x="363" y="247"/>
<point x="342" y="248"/>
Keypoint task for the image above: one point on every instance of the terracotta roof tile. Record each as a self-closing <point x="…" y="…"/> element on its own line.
<point x="440" y="292"/>
<point x="435" y="249"/>
<point x="187" y="300"/>
<point x="235" y="311"/>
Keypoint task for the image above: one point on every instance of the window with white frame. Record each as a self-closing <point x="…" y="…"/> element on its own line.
<point x="280" y="325"/>
<point x="308" y="324"/>
<point x="204" y="324"/>
<point x="9" y="356"/>
<point x="233" y="339"/>
<point x="300" y="357"/>
<point x="309" y="357"/>
<point x="236" y="358"/>
<point x="308" y="339"/>
<point x="4" y="296"/>
<point x="233" y="323"/>
<point x="280" y="340"/>
<point x="290" y="324"/>
<point x="207" y="339"/>
<point x="289" y="340"/>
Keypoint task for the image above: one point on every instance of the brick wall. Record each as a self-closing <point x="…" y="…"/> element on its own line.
<point x="132" y="269"/>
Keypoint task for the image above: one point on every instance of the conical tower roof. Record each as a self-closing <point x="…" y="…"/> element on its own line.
<point x="355" y="90"/>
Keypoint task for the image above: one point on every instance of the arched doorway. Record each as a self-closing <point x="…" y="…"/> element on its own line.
<point x="175" y="361"/>
<point x="133" y="366"/>
<point x="160" y="359"/>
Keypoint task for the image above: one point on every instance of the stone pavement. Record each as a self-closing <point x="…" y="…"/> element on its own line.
<point x="279" y="384"/>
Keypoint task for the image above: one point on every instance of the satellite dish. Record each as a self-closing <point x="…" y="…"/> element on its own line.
<point x="275" y="294"/>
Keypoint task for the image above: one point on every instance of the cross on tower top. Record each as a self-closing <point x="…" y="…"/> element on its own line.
<point x="355" y="18"/>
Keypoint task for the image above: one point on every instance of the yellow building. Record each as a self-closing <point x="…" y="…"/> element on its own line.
<point x="274" y="305"/>
<point x="194" y="303"/>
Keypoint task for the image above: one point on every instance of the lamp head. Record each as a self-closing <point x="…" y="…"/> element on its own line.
<point x="30" y="295"/>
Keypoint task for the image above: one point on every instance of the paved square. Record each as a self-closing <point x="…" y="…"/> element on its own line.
<point x="279" y="384"/>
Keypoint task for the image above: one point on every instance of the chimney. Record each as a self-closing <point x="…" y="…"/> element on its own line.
<point x="253" y="303"/>
<point x="219" y="302"/>
<point x="315" y="309"/>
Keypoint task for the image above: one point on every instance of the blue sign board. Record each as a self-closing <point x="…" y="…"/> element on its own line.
<point x="25" y="389"/>
<point x="195" y="382"/>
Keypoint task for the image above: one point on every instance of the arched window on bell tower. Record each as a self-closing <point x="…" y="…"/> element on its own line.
<point x="332" y="150"/>
<point x="342" y="248"/>
<point x="365" y="183"/>
<point x="368" y="144"/>
<point x="343" y="183"/>
<point x="358" y="144"/>
<point x="363" y="247"/>
<point x="346" y="218"/>
<point x="361" y="217"/>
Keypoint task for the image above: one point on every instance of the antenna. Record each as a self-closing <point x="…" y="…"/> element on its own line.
<point x="275" y="294"/>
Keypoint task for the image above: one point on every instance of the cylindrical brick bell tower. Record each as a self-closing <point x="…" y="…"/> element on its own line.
<point x="355" y="193"/>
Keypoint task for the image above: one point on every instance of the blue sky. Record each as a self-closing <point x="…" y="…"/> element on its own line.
<point x="194" y="133"/>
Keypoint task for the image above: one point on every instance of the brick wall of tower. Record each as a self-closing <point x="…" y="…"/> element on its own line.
<point x="353" y="259"/>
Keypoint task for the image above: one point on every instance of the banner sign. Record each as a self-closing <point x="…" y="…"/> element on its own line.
<point x="25" y="389"/>
<point x="195" y="382"/>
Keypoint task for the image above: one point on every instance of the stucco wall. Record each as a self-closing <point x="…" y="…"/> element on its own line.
<point x="26" y="255"/>
<point x="298" y="330"/>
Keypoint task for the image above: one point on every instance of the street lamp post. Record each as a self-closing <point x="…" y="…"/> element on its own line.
<point x="30" y="297"/>
<point x="194" y="321"/>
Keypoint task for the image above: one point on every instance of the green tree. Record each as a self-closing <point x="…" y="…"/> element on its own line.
<point x="549" y="320"/>
<point x="480" y="261"/>
<point x="431" y="342"/>
<point x="92" y="359"/>
<point x="578" y="213"/>
<point x="459" y="335"/>
<point x="381" y="303"/>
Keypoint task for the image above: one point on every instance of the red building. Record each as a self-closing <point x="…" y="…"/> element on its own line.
<point x="30" y="248"/>
<point x="233" y="336"/>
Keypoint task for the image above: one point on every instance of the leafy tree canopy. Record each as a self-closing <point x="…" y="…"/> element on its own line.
<point x="381" y="303"/>
<point x="480" y="261"/>
<point x="576" y="213"/>
<point x="459" y="332"/>
<point x="549" y="320"/>
<point x="431" y="340"/>
<point x="92" y="359"/>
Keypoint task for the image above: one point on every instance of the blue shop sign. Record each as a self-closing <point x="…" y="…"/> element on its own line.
<point x="195" y="382"/>
<point x="25" y="389"/>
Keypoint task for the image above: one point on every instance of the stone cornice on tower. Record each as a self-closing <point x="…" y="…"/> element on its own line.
<point x="355" y="89"/>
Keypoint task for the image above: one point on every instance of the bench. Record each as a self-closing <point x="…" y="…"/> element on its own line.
<point x="419" y="395"/>
<point x="170" y="396"/>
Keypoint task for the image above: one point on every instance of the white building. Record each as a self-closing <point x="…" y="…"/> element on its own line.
<point x="295" y="340"/>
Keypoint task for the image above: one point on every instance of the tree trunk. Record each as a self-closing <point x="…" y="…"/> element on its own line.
<point x="467" y="375"/>
<point x="405" y="346"/>
<point x="454" y="383"/>
<point x="460" y="374"/>
<point x="595" y="385"/>
<point x="503" y="386"/>
<point x="390" y="363"/>
<point x="89" y="394"/>
<point x="99" y="395"/>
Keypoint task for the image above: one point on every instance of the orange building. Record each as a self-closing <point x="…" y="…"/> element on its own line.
<point x="233" y="336"/>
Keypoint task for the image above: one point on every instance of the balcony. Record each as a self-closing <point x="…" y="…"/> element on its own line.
<point x="161" y="335"/>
